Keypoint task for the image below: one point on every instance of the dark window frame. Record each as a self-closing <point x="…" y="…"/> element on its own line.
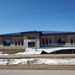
<point x="17" y="42"/>
<point x="31" y="44"/>
<point x="43" y="41"/>
<point x="46" y="41"/>
<point x="71" y="41"/>
<point x="7" y="42"/>
<point x="50" y="41"/>
<point x="22" y="43"/>
<point x="61" y="41"/>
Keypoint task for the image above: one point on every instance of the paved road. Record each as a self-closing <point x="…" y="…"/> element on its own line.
<point x="37" y="72"/>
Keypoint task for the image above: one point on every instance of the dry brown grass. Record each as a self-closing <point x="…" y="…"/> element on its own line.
<point x="11" y="51"/>
<point x="39" y="67"/>
<point x="38" y="56"/>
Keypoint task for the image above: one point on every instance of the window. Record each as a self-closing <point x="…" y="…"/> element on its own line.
<point x="17" y="42"/>
<point x="71" y="40"/>
<point x="46" y="41"/>
<point x="6" y="42"/>
<point x="43" y="41"/>
<point x="50" y="41"/>
<point x="74" y="40"/>
<point x="61" y="40"/>
<point x="31" y="37"/>
<point x="22" y="42"/>
<point x="31" y="44"/>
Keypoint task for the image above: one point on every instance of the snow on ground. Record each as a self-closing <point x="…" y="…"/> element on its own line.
<point x="29" y="52"/>
<point x="38" y="51"/>
<point x="68" y="61"/>
<point x="1" y="54"/>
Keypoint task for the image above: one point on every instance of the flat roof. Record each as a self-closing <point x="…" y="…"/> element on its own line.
<point x="12" y="34"/>
<point x="56" y="32"/>
<point x="42" y="32"/>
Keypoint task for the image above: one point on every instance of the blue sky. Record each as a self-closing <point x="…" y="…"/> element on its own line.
<point x="27" y="15"/>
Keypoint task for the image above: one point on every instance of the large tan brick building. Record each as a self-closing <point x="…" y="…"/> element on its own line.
<point x="37" y="39"/>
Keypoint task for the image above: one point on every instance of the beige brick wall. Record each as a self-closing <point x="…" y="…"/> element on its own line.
<point x="26" y="40"/>
<point x="60" y="36"/>
<point x="48" y="37"/>
<point x="70" y="36"/>
<point x="16" y="38"/>
<point x="12" y="38"/>
<point x="54" y="37"/>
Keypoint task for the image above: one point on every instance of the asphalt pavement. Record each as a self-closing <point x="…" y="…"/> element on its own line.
<point x="37" y="72"/>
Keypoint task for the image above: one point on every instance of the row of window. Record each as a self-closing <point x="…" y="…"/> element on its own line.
<point x="18" y="42"/>
<point x="47" y="41"/>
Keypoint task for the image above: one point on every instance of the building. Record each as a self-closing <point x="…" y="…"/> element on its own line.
<point x="37" y="39"/>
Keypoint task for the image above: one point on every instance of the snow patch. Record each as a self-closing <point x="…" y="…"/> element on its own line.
<point x="68" y="61"/>
<point x="48" y="50"/>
